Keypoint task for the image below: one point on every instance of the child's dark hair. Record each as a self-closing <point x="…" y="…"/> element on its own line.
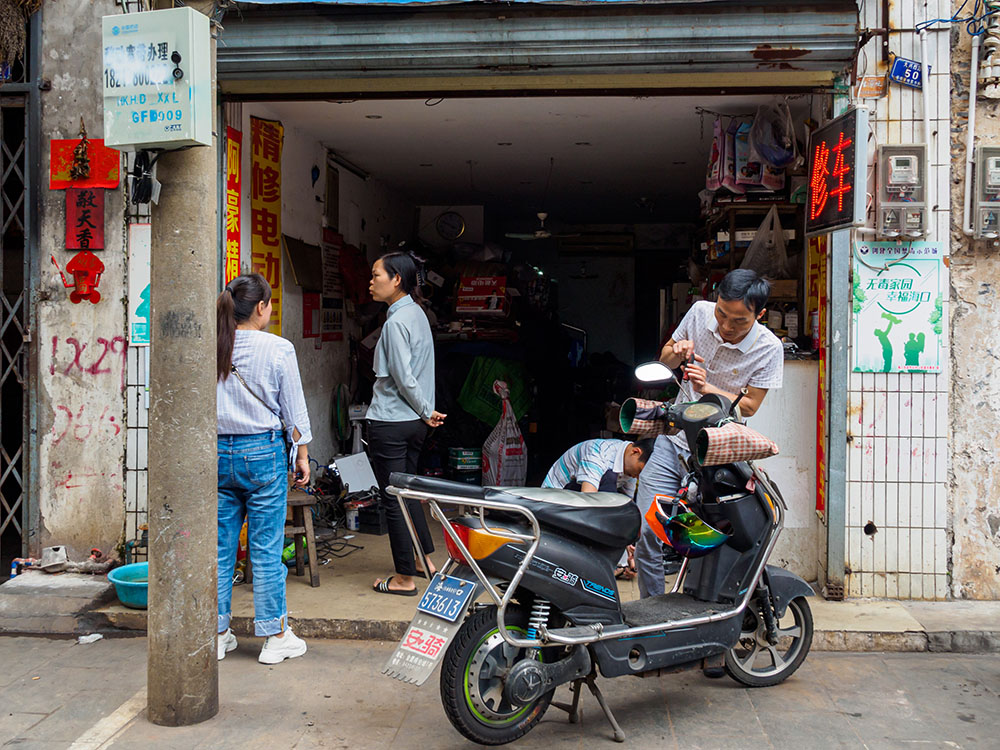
<point x="645" y="447"/>
<point x="745" y="285"/>
<point x="235" y="305"/>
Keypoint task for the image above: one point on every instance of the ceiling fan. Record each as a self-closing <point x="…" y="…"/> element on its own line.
<point x="539" y="234"/>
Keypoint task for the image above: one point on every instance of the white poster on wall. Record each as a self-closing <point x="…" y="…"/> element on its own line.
<point x="139" y="243"/>
<point x="898" y="298"/>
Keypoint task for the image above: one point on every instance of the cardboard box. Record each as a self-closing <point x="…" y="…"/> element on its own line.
<point x="784" y="288"/>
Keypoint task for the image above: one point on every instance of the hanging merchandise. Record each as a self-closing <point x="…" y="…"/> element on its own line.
<point x="729" y="164"/>
<point x="771" y="178"/>
<point x="766" y="254"/>
<point x="748" y="168"/>
<point x="505" y="460"/>
<point x="713" y="178"/>
<point x="773" y="135"/>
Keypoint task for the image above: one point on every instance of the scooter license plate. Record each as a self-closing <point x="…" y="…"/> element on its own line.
<point x="447" y="597"/>
<point x="428" y="636"/>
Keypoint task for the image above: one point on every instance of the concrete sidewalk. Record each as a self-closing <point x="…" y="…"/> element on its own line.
<point x="344" y="606"/>
<point x="60" y="695"/>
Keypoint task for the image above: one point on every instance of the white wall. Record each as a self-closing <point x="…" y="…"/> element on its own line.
<point x="787" y="417"/>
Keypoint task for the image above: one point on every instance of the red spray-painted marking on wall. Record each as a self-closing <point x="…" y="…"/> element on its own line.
<point x="78" y="426"/>
<point x="92" y="363"/>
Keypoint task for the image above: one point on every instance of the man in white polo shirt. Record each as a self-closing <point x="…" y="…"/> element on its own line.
<point x="722" y="348"/>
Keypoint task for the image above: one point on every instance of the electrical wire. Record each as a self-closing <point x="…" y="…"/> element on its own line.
<point x="142" y="177"/>
<point x="885" y="267"/>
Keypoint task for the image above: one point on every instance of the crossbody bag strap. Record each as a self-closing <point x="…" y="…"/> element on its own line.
<point x="246" y="385"/>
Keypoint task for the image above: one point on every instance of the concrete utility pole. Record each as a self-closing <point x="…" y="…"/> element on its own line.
<point x="182" y="669"/>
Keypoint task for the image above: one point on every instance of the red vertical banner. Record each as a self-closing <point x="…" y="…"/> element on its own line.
<point x="816" y="308"/>
<point x="234" y="153"/>
<point x="84" y="219"/>
<point x="265" y="209"/>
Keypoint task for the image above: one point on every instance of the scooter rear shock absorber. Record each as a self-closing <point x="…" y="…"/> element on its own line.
<point x="539" y="617"/>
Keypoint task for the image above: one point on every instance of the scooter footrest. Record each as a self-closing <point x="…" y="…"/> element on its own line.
<point x="667" y="608"/>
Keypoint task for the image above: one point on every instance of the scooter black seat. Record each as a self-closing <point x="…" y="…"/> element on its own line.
<point x="607" y="518"/>
<point x="434" y="486"/>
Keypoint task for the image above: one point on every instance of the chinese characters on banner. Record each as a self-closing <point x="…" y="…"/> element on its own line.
<point x="816" y="305"/>
<point x="234" y="152"/>
<point x="84" y="219"/>
<point x="265" y="209"/>
<point x="898" y="304"/>
<point x="836" y="150"/>
<point x="332" y="305"/>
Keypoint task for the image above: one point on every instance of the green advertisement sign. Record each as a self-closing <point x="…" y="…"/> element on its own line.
<point x="898" y="301"/>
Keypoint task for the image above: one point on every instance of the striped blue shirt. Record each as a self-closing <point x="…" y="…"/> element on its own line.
<point x="268" y="365"/>
<point x="588" y="462"/>
<point x="404" y="365"/>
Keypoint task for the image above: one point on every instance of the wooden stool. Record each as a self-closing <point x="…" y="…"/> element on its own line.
<point x="301" y="527"/>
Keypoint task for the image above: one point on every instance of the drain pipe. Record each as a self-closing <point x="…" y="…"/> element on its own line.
<point x="925" y="87"/>
<point x="970" y="136"/>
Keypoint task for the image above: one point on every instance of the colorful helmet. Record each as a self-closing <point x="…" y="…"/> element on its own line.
<point x="686" y="533"/>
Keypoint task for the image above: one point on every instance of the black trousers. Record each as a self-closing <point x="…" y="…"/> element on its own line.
<point x="395" y="446"/>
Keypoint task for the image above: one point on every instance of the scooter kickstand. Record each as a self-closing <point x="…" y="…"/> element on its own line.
<point x="592" y="684"/>
<point x="573" y="709"/>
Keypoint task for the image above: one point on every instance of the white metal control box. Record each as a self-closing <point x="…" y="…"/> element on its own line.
<point x="901" y="209"/>
<point x="157" y="79"/>
<point x="987" y="199"/>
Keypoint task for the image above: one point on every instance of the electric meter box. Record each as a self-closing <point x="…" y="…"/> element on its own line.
<point x="157" y="80"/>
<point x="901" y="209"/>
<point x="987" y="205"/>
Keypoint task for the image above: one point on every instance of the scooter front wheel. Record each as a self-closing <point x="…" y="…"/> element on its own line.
<point x="755" y="662"/>
<point x="473" y="675"/>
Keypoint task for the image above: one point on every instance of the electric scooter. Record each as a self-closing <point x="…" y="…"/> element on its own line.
<point x="544" y="561"/>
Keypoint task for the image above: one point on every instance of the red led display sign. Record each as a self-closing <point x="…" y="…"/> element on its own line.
<point x="837" y="173"/>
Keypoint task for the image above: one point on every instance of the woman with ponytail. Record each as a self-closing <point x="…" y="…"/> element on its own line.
<point x="402" y="407"/>
<point x="259" y="404"/>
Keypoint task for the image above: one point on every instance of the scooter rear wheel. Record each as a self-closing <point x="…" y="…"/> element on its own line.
<point x="755" y="662"/>
<point x="472" y="680"/>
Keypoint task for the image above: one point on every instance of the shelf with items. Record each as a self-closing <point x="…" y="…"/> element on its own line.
<point x="731" y="228"/>
<point x="729" y="232"/>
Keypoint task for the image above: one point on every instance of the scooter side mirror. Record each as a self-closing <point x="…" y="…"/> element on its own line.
<point x="653" y="372"/>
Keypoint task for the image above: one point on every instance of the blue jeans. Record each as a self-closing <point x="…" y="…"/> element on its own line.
<point x="253" y="483"/>
<point x="661" y="475"/>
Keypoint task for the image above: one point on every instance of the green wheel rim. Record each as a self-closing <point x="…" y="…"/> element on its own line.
<point x="512" y="718"/>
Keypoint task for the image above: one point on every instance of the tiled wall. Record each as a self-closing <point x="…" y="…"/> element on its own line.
<point x="898" y="423"/>
<point x="136" y="418"/>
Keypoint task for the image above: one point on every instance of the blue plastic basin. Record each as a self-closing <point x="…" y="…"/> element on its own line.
<point x="131" y="584"/>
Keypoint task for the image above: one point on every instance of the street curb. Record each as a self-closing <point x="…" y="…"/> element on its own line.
<point x="858" y="641"/>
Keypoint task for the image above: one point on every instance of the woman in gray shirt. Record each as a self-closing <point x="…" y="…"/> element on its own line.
<point x="402" y="407"/>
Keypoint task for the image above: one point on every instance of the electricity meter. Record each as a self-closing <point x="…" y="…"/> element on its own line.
<point x="157" y="79"/>
<point x="987" y="204"/>
<point x="902" y="192"/>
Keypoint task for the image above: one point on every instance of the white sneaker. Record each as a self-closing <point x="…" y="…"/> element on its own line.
<point x="278" y="648"/>
<point x="227" y="643"/>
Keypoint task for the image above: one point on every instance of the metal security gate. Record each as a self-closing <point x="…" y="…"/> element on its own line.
<point x="18" y="237"/>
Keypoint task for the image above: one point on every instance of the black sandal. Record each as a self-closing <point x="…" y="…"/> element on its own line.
<point x="382" y="587"/>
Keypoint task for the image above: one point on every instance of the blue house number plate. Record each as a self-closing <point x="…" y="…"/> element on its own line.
<point x="906" y="72"/>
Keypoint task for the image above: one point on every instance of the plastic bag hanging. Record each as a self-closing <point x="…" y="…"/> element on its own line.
<point x="767" y="255"/>
<point x="505" y="460"/>
<point x="772" y="136"/>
